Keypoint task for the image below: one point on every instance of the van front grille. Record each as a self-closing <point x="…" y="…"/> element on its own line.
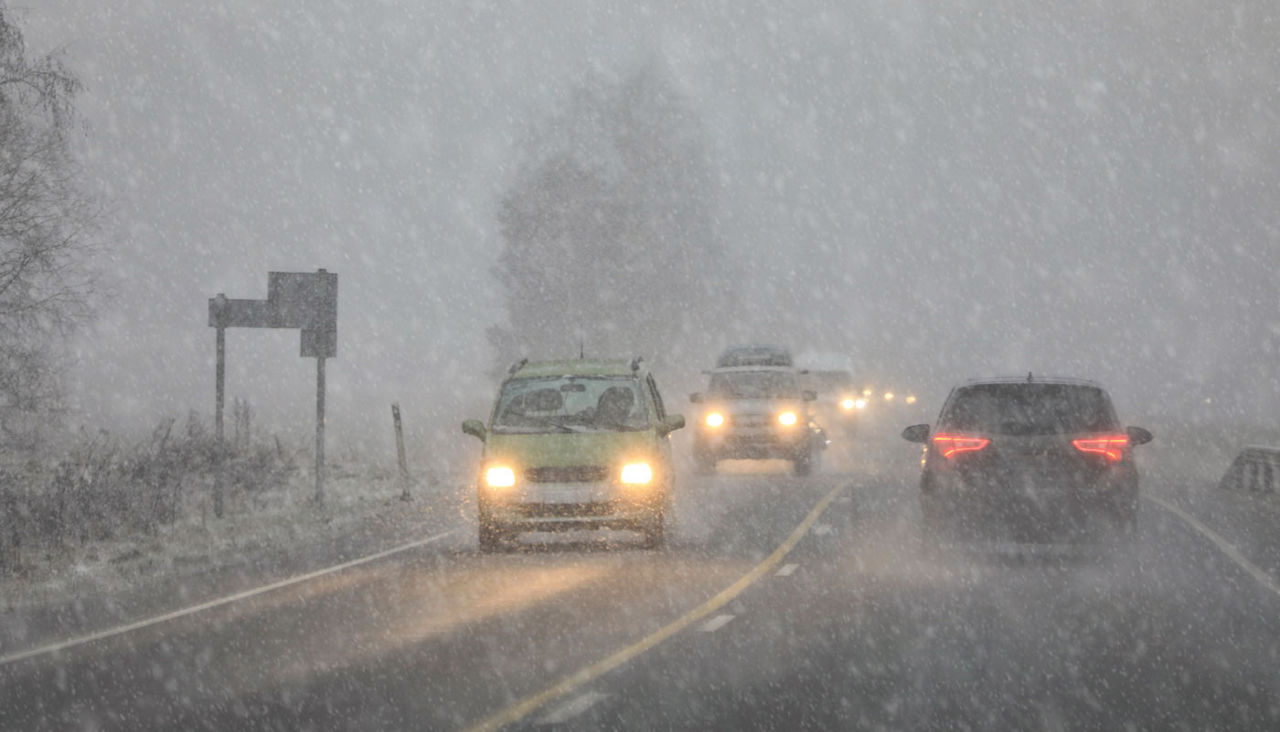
<point x="568" y="474"/>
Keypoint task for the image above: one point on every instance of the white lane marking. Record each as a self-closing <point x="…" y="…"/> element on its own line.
<point x="572" y="708"/>
<point x="1254" y="571"/>
<point x="157" y="619"/>
<point x="786" y="570"/>
<point x="823" y="530"/>
<point x="716" y="623"/>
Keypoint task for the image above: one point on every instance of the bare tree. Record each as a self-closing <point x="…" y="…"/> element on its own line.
<point x="45" y="222"/>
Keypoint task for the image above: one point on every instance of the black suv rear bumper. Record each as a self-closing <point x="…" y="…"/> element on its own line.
<point x="1032" y="513"/>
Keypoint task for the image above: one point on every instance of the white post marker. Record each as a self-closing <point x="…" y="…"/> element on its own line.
<point x="716" y="623"/>
<point x="572" y="708"/>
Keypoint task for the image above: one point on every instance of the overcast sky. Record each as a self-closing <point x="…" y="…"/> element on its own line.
<point x="941" y="190"/>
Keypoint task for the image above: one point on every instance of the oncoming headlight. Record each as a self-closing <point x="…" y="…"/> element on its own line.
<point x="848" y="404"/>
<point x="786" y="419"/>
<point x="637" y="473"/>
<point x="715" y="419"/>
<point x="500" y="476"/>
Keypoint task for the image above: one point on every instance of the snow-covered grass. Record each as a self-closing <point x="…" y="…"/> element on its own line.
<point x="108" y="516"/>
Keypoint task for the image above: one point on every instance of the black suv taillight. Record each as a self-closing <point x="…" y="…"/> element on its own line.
<point x="951" y="445"/>
<point x="1112" y="446"/>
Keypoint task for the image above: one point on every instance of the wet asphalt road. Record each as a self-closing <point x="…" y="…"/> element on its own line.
<point x="856" y="627"/>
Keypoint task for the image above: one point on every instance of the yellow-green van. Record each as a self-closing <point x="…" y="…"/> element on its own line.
<point x="575" y="444"/>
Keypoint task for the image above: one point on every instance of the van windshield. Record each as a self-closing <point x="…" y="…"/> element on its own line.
<point x="571" y="404"/>
<point x="754" y="385"/>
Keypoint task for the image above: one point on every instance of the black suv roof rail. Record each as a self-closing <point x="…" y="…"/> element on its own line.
<point x="517" y="366"/>
<point x="635" y="363"/>
<point x="1031" y="378"/>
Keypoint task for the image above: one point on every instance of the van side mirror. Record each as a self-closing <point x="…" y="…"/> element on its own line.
<point x="916" y="433"/>
<point x="1138" y="435"/>
<point x="475" y="428"/>
<point x="670" y="424"/>
<point x="695" y="397"/>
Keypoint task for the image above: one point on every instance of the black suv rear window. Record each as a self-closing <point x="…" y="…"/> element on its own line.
<point x="1029" y="409"/>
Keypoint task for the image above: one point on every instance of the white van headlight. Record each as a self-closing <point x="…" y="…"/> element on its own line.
<point x="637" y="474"/>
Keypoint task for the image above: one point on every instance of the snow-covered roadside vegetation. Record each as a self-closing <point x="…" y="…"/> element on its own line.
<point x="1197" y="454"/>
<point x="109" y="515"/>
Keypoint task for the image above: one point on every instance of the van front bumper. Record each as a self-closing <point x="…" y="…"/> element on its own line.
<point x="571" y="506"/>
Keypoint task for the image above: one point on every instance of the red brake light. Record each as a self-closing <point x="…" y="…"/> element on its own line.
<point x="950" y="445"/>
<point x="1112" y="446"/>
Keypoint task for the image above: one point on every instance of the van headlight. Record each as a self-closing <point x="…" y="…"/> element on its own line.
<point x="787" y="419"/>
<point x="637" y="474"/>
<point x="715" y="419"/>
<point x="500" y="476"/>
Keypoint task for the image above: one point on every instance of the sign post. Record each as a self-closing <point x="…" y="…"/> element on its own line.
<point x="404" y="466"/>
<point x="304" y="300"/>
<point x="320" y="430"/>
<point x="219" y="401"/>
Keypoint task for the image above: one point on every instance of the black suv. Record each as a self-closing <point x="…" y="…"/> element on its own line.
<point x="1028" y="460"/>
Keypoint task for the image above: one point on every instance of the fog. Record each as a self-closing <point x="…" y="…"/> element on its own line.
<point x="940" y="190"/>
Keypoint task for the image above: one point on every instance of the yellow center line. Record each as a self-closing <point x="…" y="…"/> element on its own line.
<point x="585" y="675"/>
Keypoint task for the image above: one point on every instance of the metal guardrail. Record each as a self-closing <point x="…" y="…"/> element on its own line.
<point x="1255" y="470"/>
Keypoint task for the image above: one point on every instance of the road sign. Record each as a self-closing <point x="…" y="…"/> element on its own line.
<point x="304" y="300"/>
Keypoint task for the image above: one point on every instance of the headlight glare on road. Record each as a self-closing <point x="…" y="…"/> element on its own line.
<point x="637" y="474"/>
<point x="500" y="476"/>
<point x="787" y="419"/>
<point x="859" y="403"/>
<point x="848" y="404"/>
<point x="715" y="419"/>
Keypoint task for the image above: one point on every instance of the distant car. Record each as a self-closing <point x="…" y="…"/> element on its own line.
<point x="756" y="412"/>
<point x="754" y="355"/>
<point x="575" y="444"/>
<point x="838" y="402"/>
<point x="1028" y="460"/>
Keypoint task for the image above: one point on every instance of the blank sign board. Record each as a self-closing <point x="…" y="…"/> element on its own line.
<point x="305" y="300"/>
